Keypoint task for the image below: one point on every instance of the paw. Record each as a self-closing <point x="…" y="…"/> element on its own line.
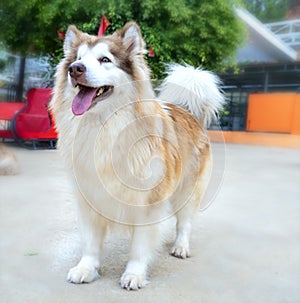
<point x="82" y="274"/>
<point x="131" y="281"/>
<point x="180" y="251"/>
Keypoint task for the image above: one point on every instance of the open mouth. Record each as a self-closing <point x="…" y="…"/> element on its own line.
<point x="88" y="97"/>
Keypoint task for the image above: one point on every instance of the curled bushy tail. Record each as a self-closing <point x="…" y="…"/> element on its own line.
<point x="194" y="89"/>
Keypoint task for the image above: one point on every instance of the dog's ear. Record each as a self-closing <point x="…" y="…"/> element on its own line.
<point x="71" y="36"/>
<point x="132" y="38"/>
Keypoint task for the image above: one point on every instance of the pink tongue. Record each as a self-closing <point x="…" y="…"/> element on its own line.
<point x="83" y="100"/>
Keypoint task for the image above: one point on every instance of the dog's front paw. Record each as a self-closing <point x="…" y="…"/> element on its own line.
<point x="180" y="251"/>
<point x="82" y="274"/>
<point x="131" y="281"/>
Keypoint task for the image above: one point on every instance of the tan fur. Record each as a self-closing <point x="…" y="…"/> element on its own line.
<point x="8" y="161"/>
<point x="110" y="152"/>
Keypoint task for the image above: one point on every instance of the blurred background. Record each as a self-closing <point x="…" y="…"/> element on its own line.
<point x="247" y="247"/>
<point x="253" y="45"/>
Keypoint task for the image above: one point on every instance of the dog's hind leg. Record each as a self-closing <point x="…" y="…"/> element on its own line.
<point x="181" y="247"/>
<point x="93" y="230"/>
<point x="144" y="242"/>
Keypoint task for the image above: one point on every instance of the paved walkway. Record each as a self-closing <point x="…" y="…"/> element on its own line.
<point x="245" y="245"/>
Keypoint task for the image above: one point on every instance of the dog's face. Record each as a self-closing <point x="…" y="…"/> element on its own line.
<point x="98" y="68"/>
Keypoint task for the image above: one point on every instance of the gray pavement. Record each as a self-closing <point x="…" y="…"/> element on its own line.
<point x="245" y="246"/>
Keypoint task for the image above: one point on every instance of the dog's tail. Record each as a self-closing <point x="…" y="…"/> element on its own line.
<point x="194" y="89"/>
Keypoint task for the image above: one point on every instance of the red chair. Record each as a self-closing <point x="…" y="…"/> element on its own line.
<point x="8" y="110"/>
<point x="34" y="122"/>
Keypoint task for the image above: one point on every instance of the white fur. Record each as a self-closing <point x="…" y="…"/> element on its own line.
<point x="85" y="271"/>
<point x="100" y="74"/>
<point x="193" y="89"/>
<point x="70" y="38"/>
<point x="118" y="153"/>
<point x="132" y="40"/>
<point x="144" y="242"/>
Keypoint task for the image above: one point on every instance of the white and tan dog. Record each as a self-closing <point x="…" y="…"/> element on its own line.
<point x="136" y="160"/>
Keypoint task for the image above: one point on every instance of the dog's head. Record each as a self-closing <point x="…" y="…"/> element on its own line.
<point x="99" y="68"/>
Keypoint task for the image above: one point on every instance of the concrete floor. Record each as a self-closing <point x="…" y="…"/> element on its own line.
<point x="245" y="245"/>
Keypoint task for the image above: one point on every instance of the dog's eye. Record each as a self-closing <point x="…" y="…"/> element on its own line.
<point x="104" y="60"/>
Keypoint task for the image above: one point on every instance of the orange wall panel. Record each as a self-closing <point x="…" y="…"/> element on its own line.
<point x="273" y="112"/>
<point x="296" y="117"/>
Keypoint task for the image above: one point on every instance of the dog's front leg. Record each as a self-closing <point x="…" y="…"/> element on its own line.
<point x="143" y="245"/>
<point x="93" y="228"/>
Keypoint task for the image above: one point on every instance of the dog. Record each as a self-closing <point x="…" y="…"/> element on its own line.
<point x="136" y="159"/>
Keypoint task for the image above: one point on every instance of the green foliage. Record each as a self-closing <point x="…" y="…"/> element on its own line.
<point x="31" y="25"/>
<point x="268" y="10"/>
<point x="202" y="33"/>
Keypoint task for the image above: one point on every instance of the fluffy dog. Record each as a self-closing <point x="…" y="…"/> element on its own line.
<point x="136" y="159"/>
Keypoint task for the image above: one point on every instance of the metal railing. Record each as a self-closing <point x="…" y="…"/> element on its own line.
<point x="234" y="113"/>
<point x="288" y="31"/>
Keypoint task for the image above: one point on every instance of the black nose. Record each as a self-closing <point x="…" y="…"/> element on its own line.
<point x="76" y="70"/>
